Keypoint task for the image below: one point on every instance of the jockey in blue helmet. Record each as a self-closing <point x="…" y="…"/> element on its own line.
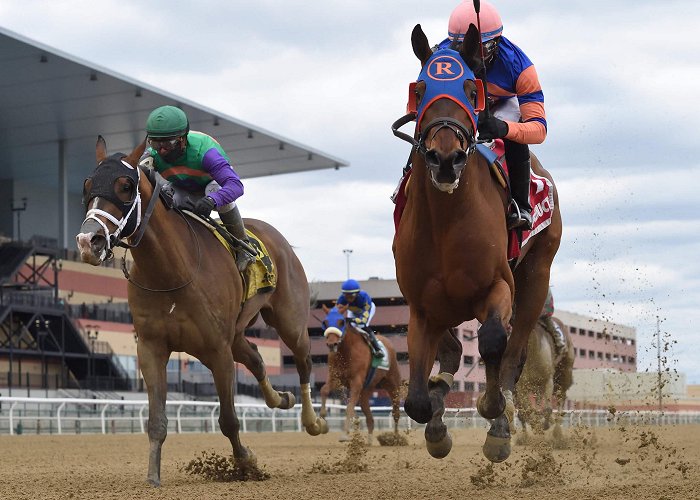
<point x="360" y="310"/>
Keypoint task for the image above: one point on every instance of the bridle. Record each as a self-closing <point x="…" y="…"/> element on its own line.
<point x="131" y="224"/>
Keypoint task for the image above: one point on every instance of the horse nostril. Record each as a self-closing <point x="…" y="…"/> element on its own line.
<point x="459" y="159"/>
<point x="432" y="158"/>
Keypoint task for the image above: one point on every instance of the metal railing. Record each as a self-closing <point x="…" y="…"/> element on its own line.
<point x="22" y="415"/>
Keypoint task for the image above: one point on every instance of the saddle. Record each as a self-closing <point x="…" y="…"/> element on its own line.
<point x="260" y="276"/>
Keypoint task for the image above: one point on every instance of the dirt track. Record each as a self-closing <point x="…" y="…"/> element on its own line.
<point x="637" y="463"/>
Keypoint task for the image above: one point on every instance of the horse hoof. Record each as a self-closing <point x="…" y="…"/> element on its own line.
<point x="153" y="482"/>
<point x="440" y="449"/>
<point x="288" y="401"/>
<point x="496" y="449"/>
<point x="487" y="412"/>
<point x="323" y="425"/>
<point x="318" y="427"/>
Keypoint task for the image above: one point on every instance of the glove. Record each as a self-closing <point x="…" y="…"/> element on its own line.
<point x="491" y="128"/>
<point x="204" y="206"/>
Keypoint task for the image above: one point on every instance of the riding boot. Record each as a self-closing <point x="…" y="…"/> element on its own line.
<point x="556" y="334"/>
<point x="518" y="160"/>
<point x="374" y="342"/>
<point x="234" y="224"/>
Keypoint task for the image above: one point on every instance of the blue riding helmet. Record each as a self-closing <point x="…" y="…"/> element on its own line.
<point x="350" y="286"/>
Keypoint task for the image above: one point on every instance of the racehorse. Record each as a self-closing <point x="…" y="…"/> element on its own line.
<point x="350" y="366"/>
<point x="544" y="376"/>
<point x="186" y="294"/>
<point x="450" y="251"/>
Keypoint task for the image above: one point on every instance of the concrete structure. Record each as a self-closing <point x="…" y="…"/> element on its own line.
<point x="52" y="107"/>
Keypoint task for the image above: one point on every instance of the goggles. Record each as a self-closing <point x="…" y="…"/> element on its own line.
<point x="167" y="144"/>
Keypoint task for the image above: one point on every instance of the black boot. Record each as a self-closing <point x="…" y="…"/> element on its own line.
<point x="518" y="160"/>
<point x="234" y="224"/>
<point x="376" y="348"/>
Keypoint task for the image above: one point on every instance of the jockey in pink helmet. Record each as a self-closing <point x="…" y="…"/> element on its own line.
<point x="518" y="115"/>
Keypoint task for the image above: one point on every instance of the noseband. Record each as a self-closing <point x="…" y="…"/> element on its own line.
<point x="467" y="140"/>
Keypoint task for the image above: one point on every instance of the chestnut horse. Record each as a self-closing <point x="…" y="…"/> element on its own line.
<point x="544" y="376"/>
<point x="186" y="294"/>
<point x="450" y="251"/>
<point x="349" y="365"/>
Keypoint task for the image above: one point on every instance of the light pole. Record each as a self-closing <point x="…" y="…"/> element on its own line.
<point x="18" y="210"/>
<point x="347" y="253"/>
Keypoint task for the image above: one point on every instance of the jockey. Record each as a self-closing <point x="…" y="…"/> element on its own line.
<point x="552" y="327"/>
<point x="198" y="169"/>
<point x="360" y="310"/>
<point x="518" y="115"/>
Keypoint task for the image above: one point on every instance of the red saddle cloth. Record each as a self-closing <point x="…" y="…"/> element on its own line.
<point x="541" y="201"/>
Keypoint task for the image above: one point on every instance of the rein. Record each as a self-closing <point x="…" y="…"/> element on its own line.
<point x="199" y="258"/>
<point x="465" y="136"/>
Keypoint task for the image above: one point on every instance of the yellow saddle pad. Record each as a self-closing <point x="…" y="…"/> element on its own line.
<point x="260" y="276"/>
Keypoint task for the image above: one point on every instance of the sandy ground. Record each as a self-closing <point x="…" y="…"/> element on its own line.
<point x="637" y="463"/>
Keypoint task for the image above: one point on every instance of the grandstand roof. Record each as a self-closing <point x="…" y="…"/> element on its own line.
<point x="53" y="104"/>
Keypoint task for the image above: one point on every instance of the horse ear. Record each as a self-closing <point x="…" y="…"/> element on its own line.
<point x="421" y="47"/>
<point x="100" y="149"/>
<point x="135" y="156"/>
<point x="471" y="49"/>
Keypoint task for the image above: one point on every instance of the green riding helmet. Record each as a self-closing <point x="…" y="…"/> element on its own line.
<point x="167" y="121"/>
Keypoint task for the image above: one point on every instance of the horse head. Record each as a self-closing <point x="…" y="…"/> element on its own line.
<point x="112" y="200"/>
<point x="445" y="99"/>
<point x="334" y="325"/>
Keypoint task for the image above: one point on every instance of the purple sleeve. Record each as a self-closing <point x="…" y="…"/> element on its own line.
<point x="222" y="172"/>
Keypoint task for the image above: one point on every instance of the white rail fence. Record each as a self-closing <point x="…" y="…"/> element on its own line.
<point x="22" y="415"/>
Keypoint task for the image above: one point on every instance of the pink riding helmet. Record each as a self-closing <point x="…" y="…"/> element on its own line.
<point x="463" y="15"/>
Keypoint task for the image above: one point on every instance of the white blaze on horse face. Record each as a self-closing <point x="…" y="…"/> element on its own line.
<point x="84" y="242"/>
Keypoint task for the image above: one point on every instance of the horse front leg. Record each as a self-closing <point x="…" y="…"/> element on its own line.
<point x="353" y="398"/>
<point x="449" y="353"/>
<point x="221" y="366"/>
<point x="494" y="404"/>
<point x="422" y="347"/>
<point x="369" y="418"/>
<point x="153" y="360"/>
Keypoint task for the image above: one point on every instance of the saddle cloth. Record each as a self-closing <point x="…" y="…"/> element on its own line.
<point x="381" y="363"/>
<point x="260" y="276"/>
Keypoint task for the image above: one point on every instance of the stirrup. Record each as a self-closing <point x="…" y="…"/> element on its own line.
<point x="518" y="218"/>
<point x="377" y="352"/>
<point x="243" y="259"/>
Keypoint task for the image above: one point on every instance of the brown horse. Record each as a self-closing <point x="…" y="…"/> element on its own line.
<point x="186" y="294"/>
<point x="451" y="254"/>
<point x="349" y="365"/>
<point x="544" y="376"/>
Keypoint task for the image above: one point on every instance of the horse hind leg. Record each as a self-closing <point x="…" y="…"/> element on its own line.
<point x="247" y="353"/>
<point x="296" y="338"/>
<point x="153" y="363"/>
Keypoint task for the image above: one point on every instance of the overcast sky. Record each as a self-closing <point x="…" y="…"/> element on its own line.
<point x="620" y="80"/>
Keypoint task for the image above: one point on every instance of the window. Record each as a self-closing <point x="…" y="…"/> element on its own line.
<point x="591" y="333"/>
<point x="631" y="360"/>
<point x="402" y="357"/>
<point x="591" y="354"/>
<point x="607" y="356"/>
<point x="600" y="356"/>
<point x="623" y="359"/>
<point x="582" y="353"/>
<point x="572" y="329"/>
<point x="321" y="359"/>
<point x="469" y="360"/>
<point x="581" y="331"/>
<point x="599" y="335"/>
<point x="482" y="386"/>
<point x="455" y="385"/>
<point x="469" y="386"/>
